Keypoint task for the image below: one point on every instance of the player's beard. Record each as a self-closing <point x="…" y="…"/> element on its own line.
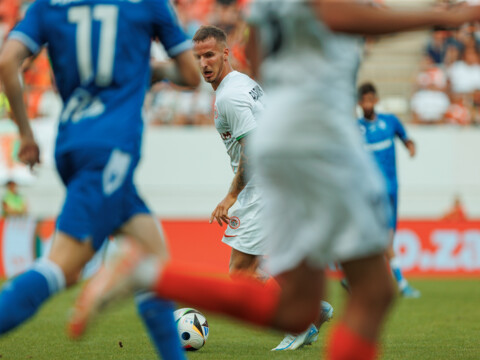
<point x="369" y="114"/>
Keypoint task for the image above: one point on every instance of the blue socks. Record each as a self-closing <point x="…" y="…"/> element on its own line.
<point x="397" y="273"/>
<point x="22" y="296"/>
<point x="157" y="315"/>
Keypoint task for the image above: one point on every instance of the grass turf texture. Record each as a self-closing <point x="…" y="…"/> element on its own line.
<point x="443" y="324"/>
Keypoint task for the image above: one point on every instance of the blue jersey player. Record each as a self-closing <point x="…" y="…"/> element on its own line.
<point x="100" y="55"/>
<point x="380" y="131"/>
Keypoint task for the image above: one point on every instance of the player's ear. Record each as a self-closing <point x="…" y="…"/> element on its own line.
<point x="226" y="51"/>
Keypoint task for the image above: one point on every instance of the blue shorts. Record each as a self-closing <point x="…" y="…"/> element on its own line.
<point x="100" y="196"/>
<point x="393" y="200"/>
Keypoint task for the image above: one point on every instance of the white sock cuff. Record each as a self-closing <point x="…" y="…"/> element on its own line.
<point x="52" y="273"/>
<point x="395" y="262"/>
<point x="147" y="271"/>
<point x="141" y="296"/>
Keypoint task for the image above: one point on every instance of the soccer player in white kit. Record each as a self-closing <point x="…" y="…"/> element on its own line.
<point x="239" y="102"/>
<point x="325" y="201"/>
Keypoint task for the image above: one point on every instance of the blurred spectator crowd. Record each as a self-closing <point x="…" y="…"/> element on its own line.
<point x="164" y="103"/>
<point x="448" y="84"/>
<point x="168" y="104"/>
<point x="40" y="94"/>
<point x="447" y="88"/>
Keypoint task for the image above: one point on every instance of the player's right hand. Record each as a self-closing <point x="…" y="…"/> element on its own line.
<point x="220" y="214"/>
<point x="29" y="152"/>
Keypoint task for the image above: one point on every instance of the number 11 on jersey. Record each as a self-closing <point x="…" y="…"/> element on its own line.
<point x="83" y="16"/>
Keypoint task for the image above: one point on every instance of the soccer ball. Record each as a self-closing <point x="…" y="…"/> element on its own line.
<point x="192" y="328"/>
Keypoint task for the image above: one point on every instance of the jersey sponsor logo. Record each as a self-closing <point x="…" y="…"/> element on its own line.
<point x="381" y="145"/>
<point x="215" y="112"/>
<point x="226" y="135"/>
<point x="234" y="222"/>
<point x="82" y="105"/>
<point x="256" y="93"/>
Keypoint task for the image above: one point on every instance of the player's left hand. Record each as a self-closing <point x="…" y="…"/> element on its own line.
<point x="220" y="214"/>
<point x="29" y="152"/>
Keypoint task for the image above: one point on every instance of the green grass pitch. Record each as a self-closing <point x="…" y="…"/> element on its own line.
<point x="443" y="324"/>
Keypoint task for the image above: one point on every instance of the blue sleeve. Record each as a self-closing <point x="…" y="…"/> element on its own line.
<point x="30" y="30"/>
<point x="167" y="28"/>
<point x="399" y="129"/>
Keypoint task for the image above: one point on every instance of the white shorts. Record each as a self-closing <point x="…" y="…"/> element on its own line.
<point x="245" y="232"/>
<point x="324" y="199"/>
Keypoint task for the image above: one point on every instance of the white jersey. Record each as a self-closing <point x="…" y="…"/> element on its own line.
<point x="238" y="104"/>
<point x="302" y="53"/>
<point x="324" y="199"/>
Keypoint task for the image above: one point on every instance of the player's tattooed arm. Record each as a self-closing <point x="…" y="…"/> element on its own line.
<point x="241" y="177"/>
<point x="220" y="214"/>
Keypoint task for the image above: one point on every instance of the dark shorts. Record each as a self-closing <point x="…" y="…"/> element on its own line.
<point x="101" y="195"/>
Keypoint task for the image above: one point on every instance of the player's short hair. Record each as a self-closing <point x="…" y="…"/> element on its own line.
<point x="366" y="88"/>
<point x="210" y="31"/>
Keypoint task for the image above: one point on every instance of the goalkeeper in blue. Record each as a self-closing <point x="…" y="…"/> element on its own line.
<point x="100" y="55"/>
<point x="380" y="131"/>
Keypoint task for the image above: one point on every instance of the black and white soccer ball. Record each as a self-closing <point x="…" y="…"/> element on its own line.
<point x="192" y="328"/>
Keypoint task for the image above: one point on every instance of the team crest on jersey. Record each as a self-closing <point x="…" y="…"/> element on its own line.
<point x="234" y="222"/>
<point x="226" y="135"/>
<point x="256" y="93"/>
<point x="215" y="112"/>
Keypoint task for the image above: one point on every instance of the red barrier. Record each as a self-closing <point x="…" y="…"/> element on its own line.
<point x="189" y="241"/>
<point x="197" y="242"/>
<point x="430" y="247"/>
<point x="424" y="247"/>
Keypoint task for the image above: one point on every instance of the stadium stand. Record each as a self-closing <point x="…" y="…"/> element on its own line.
<point x="391" y="62"/>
